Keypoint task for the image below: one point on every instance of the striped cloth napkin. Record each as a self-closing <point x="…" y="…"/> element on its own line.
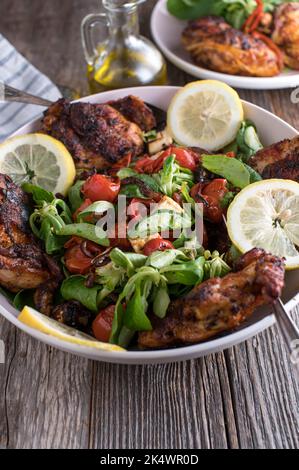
<point x="16" y="71"/>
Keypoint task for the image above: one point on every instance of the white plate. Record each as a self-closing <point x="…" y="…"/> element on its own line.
<point x="271" y="129"/>
<point x="167" y="30"/>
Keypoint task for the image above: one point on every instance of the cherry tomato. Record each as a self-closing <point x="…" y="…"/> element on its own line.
<point x="102" y="325"/>
<point x="157" y="244"/>
<point x="148" y="164"/>
<point x="76" y="261"/>
<point x="231" y="154"/>
<point x="213" y="194"/>
<point x="101" y="188"/>
<point x="216" y="189"/>
<point x="195" y="192"/>
<point x="210" y="195"/>
<point x="178" y="198"/>
<point x="84" y="205"/>
<point x="185" y="158"/>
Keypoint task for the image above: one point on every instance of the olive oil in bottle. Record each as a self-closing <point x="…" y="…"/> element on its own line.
<point x="125" y="58"/>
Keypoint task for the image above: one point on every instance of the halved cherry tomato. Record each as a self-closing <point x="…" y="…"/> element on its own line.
<point x="185" y="158"/>
<point x="75" y="260"/>
<point x="157" y="244"/>
<point x="216" y="189"/>
<point x="101" y="188"/>
<point x="195" y="192"/>
<point x="102" y="325"/>
<point x="84" y="205"/>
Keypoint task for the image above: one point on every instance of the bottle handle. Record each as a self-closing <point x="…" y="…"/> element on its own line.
<point x="88" y="23"/>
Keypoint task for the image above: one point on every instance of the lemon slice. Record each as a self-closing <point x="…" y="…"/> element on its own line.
<point x="38" y="321"/>
<point x="266" y="215"/>
<point x="205" y="114"/>
<point x="38" y="159"/>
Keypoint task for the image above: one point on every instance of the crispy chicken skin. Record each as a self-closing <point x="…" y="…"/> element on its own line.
<point x="214" y="44"/>
<point x="280" y="160"/>
<point x="286" y="33"/>
<point x="23" y="264"/>
<point x="219" y="304"/>
<point x="98" y="135"/>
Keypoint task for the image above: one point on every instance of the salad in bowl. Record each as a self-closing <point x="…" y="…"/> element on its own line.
<point x="123" y="227"/>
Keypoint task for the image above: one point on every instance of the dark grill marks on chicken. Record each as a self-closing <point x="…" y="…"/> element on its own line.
<point x="23" y="264"/>
<point x="280" y="160"/>
<point x="219" y="304"/>
<point x="98" y="135"/>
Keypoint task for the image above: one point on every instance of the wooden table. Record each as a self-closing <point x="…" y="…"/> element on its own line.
<point x="246" y="397"/>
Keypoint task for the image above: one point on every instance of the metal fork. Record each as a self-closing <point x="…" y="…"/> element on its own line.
<point x="12" y="94"/>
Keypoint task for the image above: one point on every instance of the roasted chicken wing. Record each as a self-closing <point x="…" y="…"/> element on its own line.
<point x="98" y="135"/>
<point x="280" y="160"/>
<point x="23" y="264"/>
<point x="286" y="33"/>
<point x="214" y="44"/>
<point x="219" y="304"/>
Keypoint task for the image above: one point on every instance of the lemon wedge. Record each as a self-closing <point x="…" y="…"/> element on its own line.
<point x="38" y="159"/>
<point x="206" y="114"/>
<point x="38" y="321"/>
<point x="266" y="215"/>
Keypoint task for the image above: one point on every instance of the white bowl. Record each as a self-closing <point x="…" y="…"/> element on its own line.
<point x="167" y="31"/>
<point x="271" y="129"/>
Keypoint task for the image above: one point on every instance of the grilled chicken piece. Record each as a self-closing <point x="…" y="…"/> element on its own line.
<point x="280" y="160"/>
<point x="73" y="314"/>
<point x="135" y="110"/>
<point x="23" y="264"/>
<point x="97" y="135"/>
<point x="219" y="304"/>
<point x="214" y="44"/>
<point x="286" y="33"/>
